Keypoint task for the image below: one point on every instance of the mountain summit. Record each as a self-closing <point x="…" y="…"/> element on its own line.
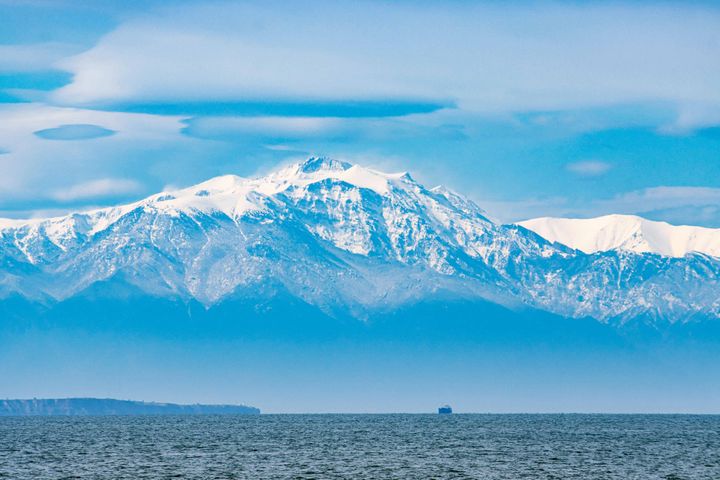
<point x="348" y="241"/>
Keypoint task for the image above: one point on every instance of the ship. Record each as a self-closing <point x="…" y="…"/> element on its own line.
<point x="445" y="410"/>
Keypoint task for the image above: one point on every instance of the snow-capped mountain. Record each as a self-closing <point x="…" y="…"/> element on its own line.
<point x="344" y="239"/>
<point x="629" y="233"/>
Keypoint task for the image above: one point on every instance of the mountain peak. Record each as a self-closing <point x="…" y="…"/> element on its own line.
<point x="316" y="164"/>
<point x="349" y="239"/>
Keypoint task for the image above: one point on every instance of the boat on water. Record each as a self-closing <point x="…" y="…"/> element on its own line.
<point x="445" y="410"/>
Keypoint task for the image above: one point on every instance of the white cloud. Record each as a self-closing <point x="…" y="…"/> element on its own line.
<point x="589" y="168"/>
<point x="296" y="127"/>
<point x="33" y="57"/>
<point x="487" y="57"/>
<point x="93" y="189"/>
<point x="659" y="198"/>
<point x="507" y="211"/>
<point x="691" y="117"/>
<point x="33" y="166"/>
<point x="283" y="148"/>
<point x="436" y="124"/>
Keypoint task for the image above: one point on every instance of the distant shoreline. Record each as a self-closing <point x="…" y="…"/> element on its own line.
<point x="108" y="406"/>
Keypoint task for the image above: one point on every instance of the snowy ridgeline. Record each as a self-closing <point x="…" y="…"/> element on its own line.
<point x="350" y="241"/>
<point x="107" y="406"/>
<point x="629" y="233"/>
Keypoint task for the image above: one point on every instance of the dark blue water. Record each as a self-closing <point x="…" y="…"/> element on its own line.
<point x="362" y="447"/>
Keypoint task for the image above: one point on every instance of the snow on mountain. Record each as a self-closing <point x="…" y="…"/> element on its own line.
<point x="348" y="240"/>
<point x="230" y="195"/>
<point x="628" y="233"/>
<point x="291" y="229"/>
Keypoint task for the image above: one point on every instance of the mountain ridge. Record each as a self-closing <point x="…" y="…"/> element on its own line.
<point x="347" y="240"/>
<point x="627" y="232"/>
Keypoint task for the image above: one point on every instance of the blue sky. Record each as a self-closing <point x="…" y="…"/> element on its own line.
<point x="529" y="108"/>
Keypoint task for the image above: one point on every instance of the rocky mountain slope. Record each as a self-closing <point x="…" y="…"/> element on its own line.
<point x="347" y="240"/>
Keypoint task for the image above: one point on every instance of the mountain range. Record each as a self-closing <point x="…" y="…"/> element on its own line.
<point x="353" y="242"/>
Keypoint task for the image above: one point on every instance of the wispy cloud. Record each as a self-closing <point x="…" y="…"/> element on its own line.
<point x="34" y="166"/>
<point x="659" y="198"/>
<point x="296" y="127"/>
<point x="482" y="96"/>
<point x="508" y="211"/>
<point x="278" y="128"/>
<point x="674" y="204"/>
<point x="488" y="58"/>
<point x="34" y="57"/>
<point x="589" y="168"/>
<point x="692" y="116"/>
<point x="97" y="189"/>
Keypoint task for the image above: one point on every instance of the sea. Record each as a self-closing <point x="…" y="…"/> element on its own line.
<point x="339" y="446"/>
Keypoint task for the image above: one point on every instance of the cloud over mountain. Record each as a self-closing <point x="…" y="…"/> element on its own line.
<point x="487" y="58"/>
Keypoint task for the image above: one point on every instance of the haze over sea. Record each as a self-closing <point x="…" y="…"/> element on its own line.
<point x="399" y="446"/>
